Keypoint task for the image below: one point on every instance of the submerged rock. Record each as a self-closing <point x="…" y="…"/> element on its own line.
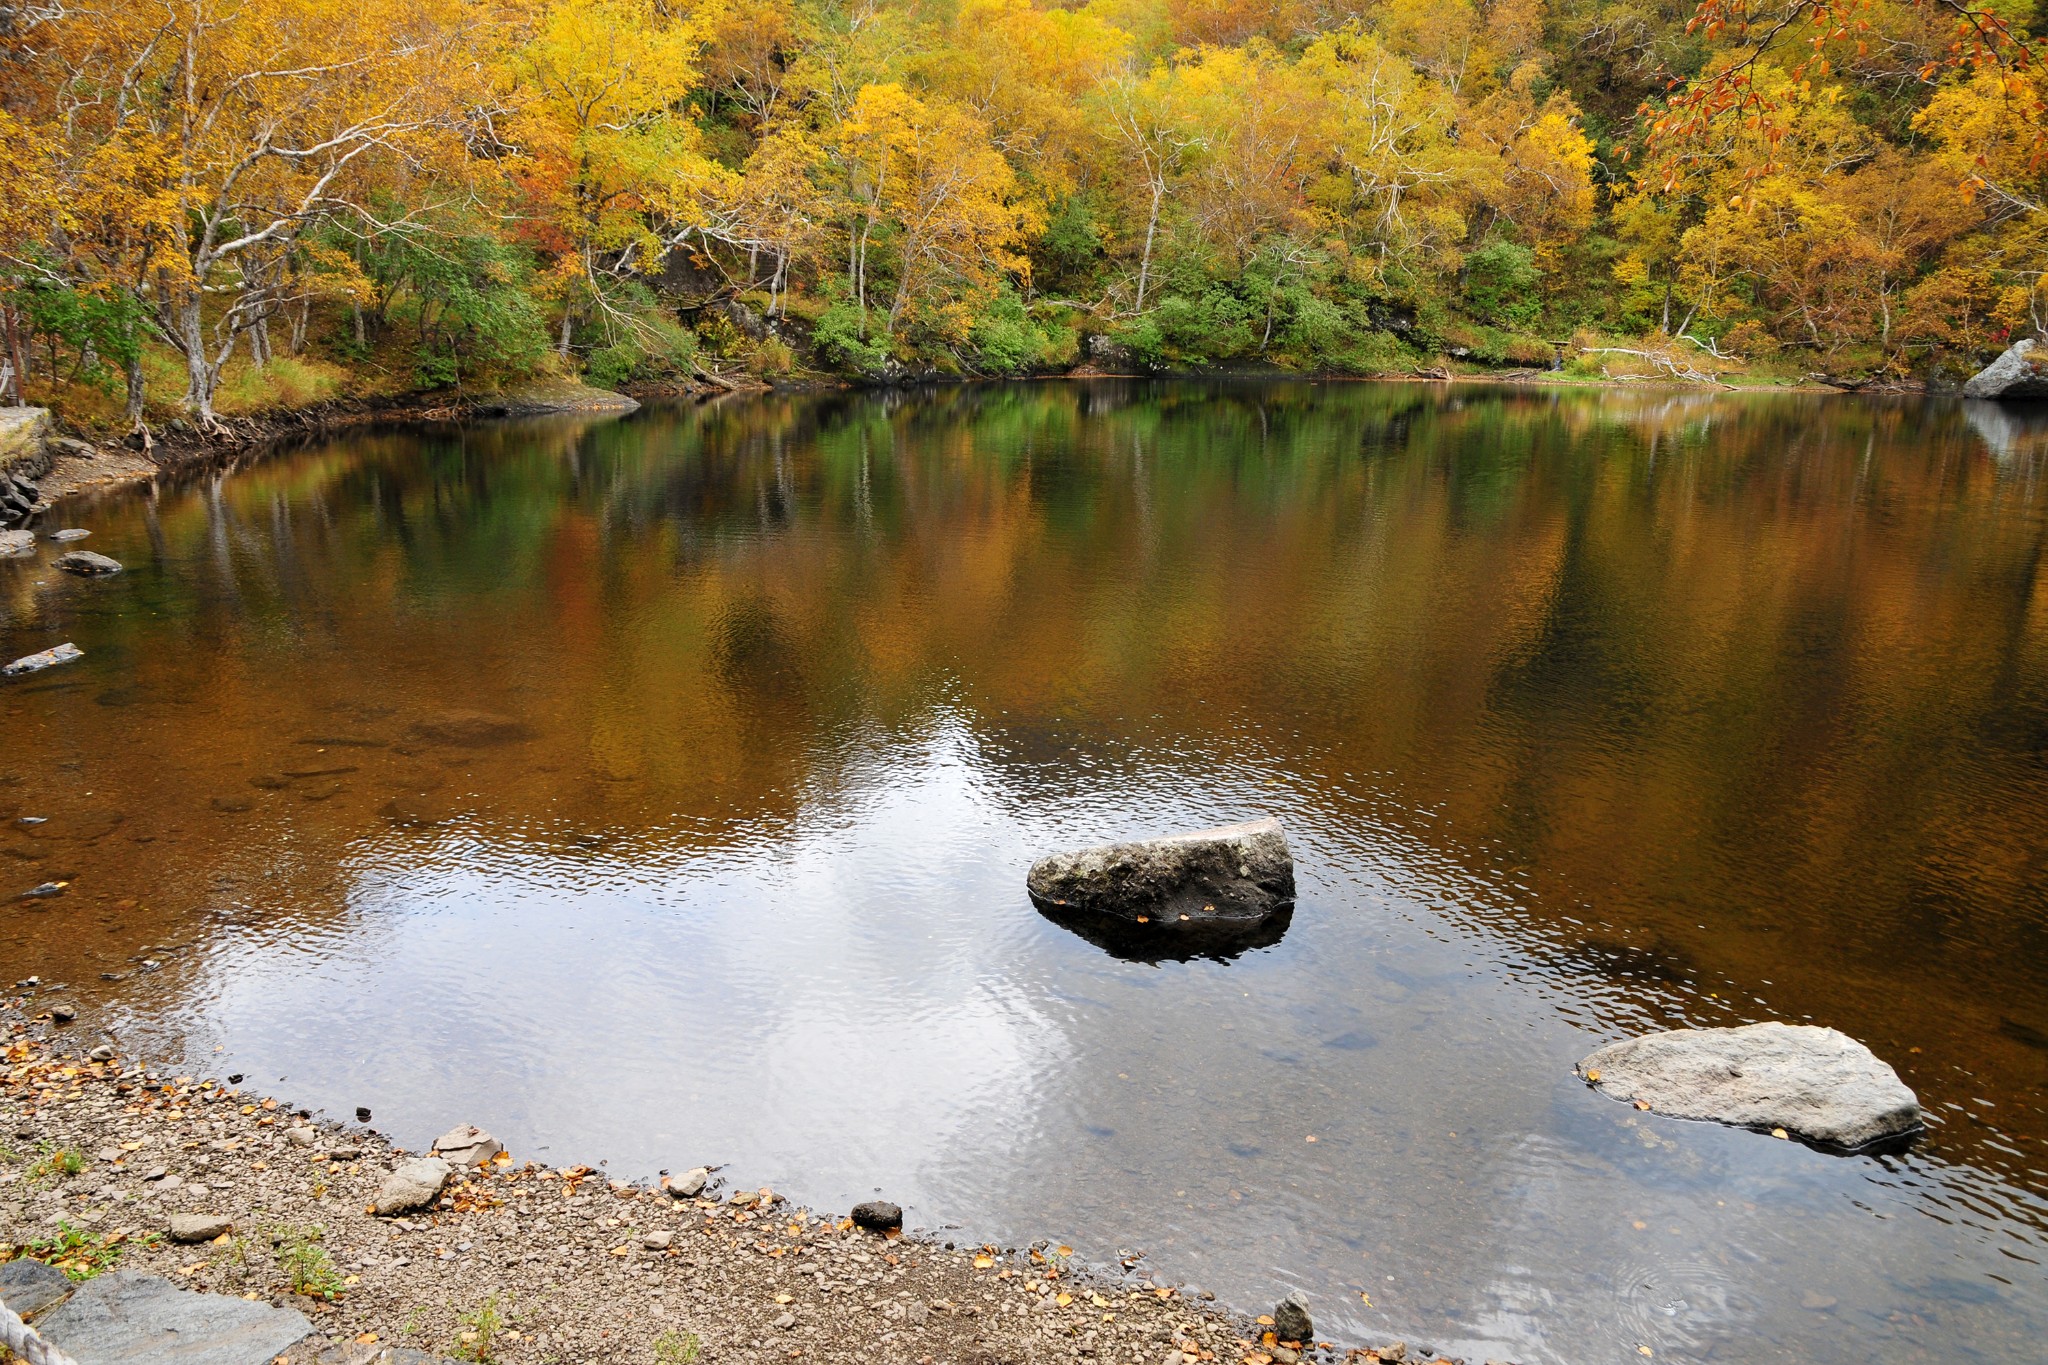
<point x="2022" y="372"/>
<point x="1233" y="873"/>
<point x="471" y="729"/>
<point x="1815" y="1083"/>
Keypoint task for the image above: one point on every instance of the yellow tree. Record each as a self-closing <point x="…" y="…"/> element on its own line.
<point x="612" y="159"/>
<point x="923" y="175"/>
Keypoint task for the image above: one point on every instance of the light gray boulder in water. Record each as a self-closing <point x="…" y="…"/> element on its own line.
<point x="1815" y="1083"/>
<point x="2022" y="372"/>
<point x="1230" y="873"/>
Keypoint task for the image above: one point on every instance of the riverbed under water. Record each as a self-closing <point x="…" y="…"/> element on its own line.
<point x="660" y="790"/>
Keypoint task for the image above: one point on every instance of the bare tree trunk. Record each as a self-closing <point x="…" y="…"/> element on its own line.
<point x="362" y="333"/>
<point x="14" y="359"/>
<point x="199" y="375"/>
<point x="1151" y="228"/>
<point x="300" y="315"/>
<point x="135" y="391"/>
<point x="563" y="349"/>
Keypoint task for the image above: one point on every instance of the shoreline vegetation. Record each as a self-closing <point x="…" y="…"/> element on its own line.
<point x="219" y="211"/>
<point x="516" y="1263"/>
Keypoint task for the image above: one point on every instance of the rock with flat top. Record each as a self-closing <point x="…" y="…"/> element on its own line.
<point x="2022" y="372"/>
<point x="413" y="1185"/>
<point x="1814" y="1083"/>
<point x="1230" y="873"/>
<point x="88" y="563"/>
<point x="877" y="1215"/>
<point x="15" y="544"/>
<point x="688" y="1185"/>
<point x="125" y="1318"/>
<point x="467" y="1145"/>
<point x="29" y="1286"/>
<point x="199" y="1227"/>
<point x="42" y="659"/>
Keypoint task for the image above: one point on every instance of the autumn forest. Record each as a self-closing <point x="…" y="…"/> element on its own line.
<point x="213" y="204"/>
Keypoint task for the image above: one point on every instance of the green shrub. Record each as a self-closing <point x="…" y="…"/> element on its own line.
<point x="1502" y="285"/>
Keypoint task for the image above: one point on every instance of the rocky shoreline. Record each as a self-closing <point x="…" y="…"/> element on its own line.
<point x="106" y="1165"/>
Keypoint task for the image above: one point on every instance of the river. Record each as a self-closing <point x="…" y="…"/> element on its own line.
<point x="661" y="790"/>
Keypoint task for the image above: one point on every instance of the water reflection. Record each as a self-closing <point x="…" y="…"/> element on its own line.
<point x="662" y="790"/>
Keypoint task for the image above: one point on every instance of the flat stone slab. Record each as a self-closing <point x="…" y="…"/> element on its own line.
<point x="1193" y="880"/>
<point x="88" y="564"/>
<point x="42" y="659"/>
<point x="1815" y="1083"/>
<point x="29" y="1286"/>
<point x="130" y="1319"/>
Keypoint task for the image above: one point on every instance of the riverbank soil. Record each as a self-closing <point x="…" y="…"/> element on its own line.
<point x="520" y="1263"/>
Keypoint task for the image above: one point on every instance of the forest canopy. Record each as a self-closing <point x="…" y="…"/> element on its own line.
<point x="471" y="190"/>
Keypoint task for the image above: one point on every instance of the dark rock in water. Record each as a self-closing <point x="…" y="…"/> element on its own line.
<point x="877" y="1215"/>
<point x="29" y="1286"/>
<point x="471" y="729"/>
<point x="130" y="1319"/>
<point x="34" y="663"/>
<point x="1813" y="1083"/>
<point x="2022" y="372"/>
<point x="1216" y="940"/>
<point x="1180" y="883"/>
<point x="87" y="563"/>
<point x="362" y="1114"/>
<point x="1291" y="1320"/>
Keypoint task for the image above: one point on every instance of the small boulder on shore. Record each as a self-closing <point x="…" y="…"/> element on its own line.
<point x="199" y="1227"/>
<point x="1291" y="1321"/>
<point x="1236" y="873"/>
<point x="1814" y="1083"/>
<point x="877" y="1215"/>
<point x="467" y="1145"/>
<point x="2022" y="372"/>
<point x="688" y="1185"/>
<point x="413" y="1185"/>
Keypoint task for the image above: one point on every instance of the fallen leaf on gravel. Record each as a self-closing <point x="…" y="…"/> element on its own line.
<point x="785" y="1298"/>
<point x="984" y="1262"/>
<point x="1064" y="1299"/>
<point x="1593" y="1076"/>
<point x="1642" y="1104"/>
<point x="622" y="1251"/>
<point x="367" y="1339"/>
<point x="1780" y="1133"/>
<point x="1265" y="1319"/>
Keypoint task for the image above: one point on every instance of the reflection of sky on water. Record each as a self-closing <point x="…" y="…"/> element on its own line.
<point x="865" y="1001"/>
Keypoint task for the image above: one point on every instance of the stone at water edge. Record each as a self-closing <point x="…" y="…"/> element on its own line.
<point x="467" y="1145"/>
<point x="2022" y="372"/>
<point x="88" y="563"/>
<point x="413" y="1184"/>
<point x="35" y="663"/>
<point x="17" y="543"/>
<point x="199" y="1227"/>
<point x="1815" y="1083"/>
<point x="1291" y="1321"/>
<point x="877" y="1215"/>
<point x="1232" y="872"/>
<point x="688" y="1185"/>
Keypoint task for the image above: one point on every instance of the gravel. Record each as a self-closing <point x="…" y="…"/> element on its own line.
<point x="569" y="1265"/>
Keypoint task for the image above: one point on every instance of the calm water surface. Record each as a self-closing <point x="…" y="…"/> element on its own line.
<point x="661" y="790"/>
